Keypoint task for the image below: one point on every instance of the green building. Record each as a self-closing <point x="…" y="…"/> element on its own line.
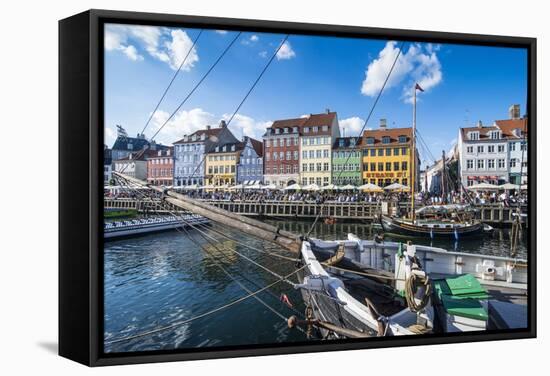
<point x="346" y="161"/>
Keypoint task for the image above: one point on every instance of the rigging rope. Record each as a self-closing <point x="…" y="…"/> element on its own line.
<point x="172" y="80"/>
<point x="210" y="312"/>
<point x="364" y="125"/>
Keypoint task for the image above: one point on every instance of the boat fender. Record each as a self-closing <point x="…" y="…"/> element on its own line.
<point x="456" y="235"/>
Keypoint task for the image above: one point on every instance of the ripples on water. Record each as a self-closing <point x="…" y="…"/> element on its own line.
<point x="161" y="279"/>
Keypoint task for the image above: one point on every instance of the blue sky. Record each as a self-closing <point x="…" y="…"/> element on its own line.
<point x="463" y="84"/>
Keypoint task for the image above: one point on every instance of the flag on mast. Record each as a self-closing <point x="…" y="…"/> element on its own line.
<point x="417" y="87"/>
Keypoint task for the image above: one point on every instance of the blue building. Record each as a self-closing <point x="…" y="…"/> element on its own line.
<point x="250" y="169"/>
<point x="189" y="153"/>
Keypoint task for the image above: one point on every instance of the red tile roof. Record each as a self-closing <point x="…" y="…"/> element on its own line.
<point x="393" y="133"/>
<point x="312" y="120"/>
<point x="506" y="126"/>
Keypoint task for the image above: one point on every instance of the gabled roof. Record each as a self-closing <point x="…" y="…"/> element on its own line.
<point x="121" y="143"/>
<point x="312" y="120"/>
<point x="347" y="142"/>
<point x="393" y="133"/>
<point x="208" y="132"/>
<point x="505" y="126"/>
<point x="508" y="126"/>
<point x="238" y="147"/>
<point x="163" y="154"/>
<point x="258" y="146"/>
<point x="140" y="155"/>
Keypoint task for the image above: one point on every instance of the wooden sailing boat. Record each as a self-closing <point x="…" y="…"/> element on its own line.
<point x="458" y="226"/>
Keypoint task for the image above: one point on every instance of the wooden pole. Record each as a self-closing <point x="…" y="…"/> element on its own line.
<point x="413" y="154"/>
<point x="247" y="225"/>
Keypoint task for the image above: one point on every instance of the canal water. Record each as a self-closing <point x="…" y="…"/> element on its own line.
<point x="163" y="279"/>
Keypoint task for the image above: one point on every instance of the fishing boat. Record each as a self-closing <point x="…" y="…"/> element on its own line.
<point x="433" y="221"/>
<point x="445" y="220"/>
<point x="388" y="289"/>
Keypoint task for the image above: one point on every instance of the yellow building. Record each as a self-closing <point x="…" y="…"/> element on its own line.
<point x="317" y="133"/>
<point x="387" y="156"/>
<point x="221" y="164"/>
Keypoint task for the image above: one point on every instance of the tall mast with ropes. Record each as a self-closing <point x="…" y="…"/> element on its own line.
<point x="413" y="152"/>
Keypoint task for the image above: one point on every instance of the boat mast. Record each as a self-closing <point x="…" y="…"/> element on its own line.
<point x="443" y="181"/>
<point x="413" y="153"/>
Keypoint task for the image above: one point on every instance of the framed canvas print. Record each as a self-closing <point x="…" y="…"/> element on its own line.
<point x="258" y="187"/>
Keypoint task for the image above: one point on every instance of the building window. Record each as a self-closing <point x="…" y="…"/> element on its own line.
<point x="495" y="135"/>
<point x="512" y="146"/>
<point x="480" y="149"/>
<point x="523" y="145"/>
<point x="491" y="163"/>
<point x="491" y="148"/>
<point x="396" y="151"/>
<point x="480" y="164"/>
<point x="469" y="164"/>
<point x="380" y="166"/>
<point x="388" y="152"/>
<point x="325" y="166"/>
<point x="403" y="151"/>
<point x="370" y="140"/>
<point x="372" y="152"/>
<point x="473" y="135"/>
<point x="304" y="167"/>
<point x="386" y="139"/>
<point x="388" y="166"/>
<point x="380" y="152"/>
<point x="288" y="155"/>
<point x="501" y="148"/>
<point x="373" y="166"/>
<point x="404" y="166"/>
<point x="512" y="162"/>
<point x="396" y="166"/>
<point x="295" y="155"/>
<point x="402" y="139"/>
<point x="501" y="164"/>
<point x="318" y="165"/>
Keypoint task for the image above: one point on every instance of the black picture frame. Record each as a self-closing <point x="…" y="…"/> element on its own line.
<point x="80" y="165"/>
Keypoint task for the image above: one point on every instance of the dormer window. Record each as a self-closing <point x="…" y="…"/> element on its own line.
<point x="194" y="138"/>
<point x="352" y="141"/>
<point x="285" y="130"/>
<point x="370" y="140"/>
<point x="277" y="131"/>
<point x="473" y="136"/>
<point x="341" y="142"/>
<point x="217" y="149"/>
<point x="325" y="128"/>
<point x="295" y="130"/>
<point x="315" y="129"/>
<point x="386" y="139"/>
<point x="517" y="132"/>
<point x="232" y="147"/>
<point x="402" y="139"/>
<point x="130" y="146"/>
<point x="224" y="148"/>
<point x="203" y="136"/>
<point x="495" y="135"/>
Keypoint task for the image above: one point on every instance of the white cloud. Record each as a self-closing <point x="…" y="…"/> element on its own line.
<point x="419" y="64"/>
<point x="187" y="122"/>
<point x="285" y="52"/>
<point x="254" y="38"/>
<point x="221" y="31"/>
<point x="164" y="44"/>
<point x="352" y="126"/>
<point x="184" y="122"/>
<point x="131" y="52"/>
<point x="109" y="135"/>
<point x="263" y="54"/>
<point x="243" y="125"/>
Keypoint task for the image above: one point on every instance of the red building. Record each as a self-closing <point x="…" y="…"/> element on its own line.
<point x="160" y="167"/>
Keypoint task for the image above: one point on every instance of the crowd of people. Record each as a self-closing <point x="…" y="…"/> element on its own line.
<point x="506" y="198"/>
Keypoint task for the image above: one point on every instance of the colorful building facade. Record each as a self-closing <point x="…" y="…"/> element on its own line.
<point x="190" y="151"/>
<point x="317" y="133"/>
<point x="160" y="168"/>
<point x="281" y="152"/>
<point x="250" y="168"/>
<point x="347" y="161"/>
<point x="221" y="164"/>
<point x="388" y="156"/>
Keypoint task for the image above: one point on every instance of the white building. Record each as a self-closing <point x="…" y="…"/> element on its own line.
<point x="493" y="154"/>
<point x="515" y="132"/>
<point x="483" y="155"/>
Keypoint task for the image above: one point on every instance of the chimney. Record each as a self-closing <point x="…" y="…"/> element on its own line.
<point x="223" y="124"/>
<point x="513" y="112"/>
<point x="208" y="127"/>
<point x="479" y="124"/>
<point x="327" y="110"/>
<point x="383" y="124"/>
